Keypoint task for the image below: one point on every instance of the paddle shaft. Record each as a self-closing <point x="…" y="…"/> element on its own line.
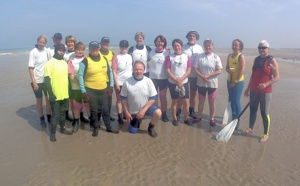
<point x="248" y="104"/>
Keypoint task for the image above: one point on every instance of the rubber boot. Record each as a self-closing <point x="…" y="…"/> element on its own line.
<point x="83" y="119"/>
<point x="151" y="130"/>
<point x="178" y="114"/>
<point x="95" y="132"/>
<point x="75" y="125"/>
<point x="67" y="116"/>
<point x="164" y="116"/>
<point x="52" y="138"/>
<point x="120" y="119"/>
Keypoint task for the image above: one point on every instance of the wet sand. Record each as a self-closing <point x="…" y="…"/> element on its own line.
<point x="183" y="155"/>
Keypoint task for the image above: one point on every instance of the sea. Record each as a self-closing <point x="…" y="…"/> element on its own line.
<point x="282" y="54"/>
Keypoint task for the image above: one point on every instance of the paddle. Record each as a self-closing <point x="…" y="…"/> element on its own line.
<point x="226" y="132"/>
<point x="227" y="117"/>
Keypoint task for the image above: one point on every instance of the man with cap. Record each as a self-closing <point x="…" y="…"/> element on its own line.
<point x="57" y="39"/>
<point x="191" y="48"/>
<point x="94" y="73"/>
<point x="109" y="55"/>
<point x="57" y="83"/>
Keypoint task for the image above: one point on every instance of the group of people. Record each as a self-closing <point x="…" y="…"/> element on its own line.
<point x="139" y="75"/>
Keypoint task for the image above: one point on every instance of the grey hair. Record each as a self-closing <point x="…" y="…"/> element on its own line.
<point x="264" y="42"/>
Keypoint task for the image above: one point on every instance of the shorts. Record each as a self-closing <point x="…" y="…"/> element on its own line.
<point x="160" y="84"/>
<point x="149" y="112"/>
<point x="212" y="92"/>
<point x="193" y="83"/>
<point x="175" y="95"/>
<point x="76" y="95"/>
<point x="39" y="92"/>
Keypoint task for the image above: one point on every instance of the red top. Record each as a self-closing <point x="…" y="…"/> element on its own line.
<point x="261" y="73"/>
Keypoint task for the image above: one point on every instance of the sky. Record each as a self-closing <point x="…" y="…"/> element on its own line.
<point x="276" y="21"/>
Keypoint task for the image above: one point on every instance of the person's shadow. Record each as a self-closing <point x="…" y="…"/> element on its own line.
<point x="30" y="114"/>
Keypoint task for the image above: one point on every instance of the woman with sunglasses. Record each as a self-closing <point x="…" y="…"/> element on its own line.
<point x="265" y="72"/>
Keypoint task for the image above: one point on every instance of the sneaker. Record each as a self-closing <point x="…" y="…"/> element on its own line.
<point x="111" y="130"/>
<point x="187" y="122"/>
<point x="196" y="120"/>
<point x="247" y="131"/>
<point x="64" y="131"/>
<point x="264" y="138"/>
<point x="212" y="123"/>
<point x="175" y="123"/>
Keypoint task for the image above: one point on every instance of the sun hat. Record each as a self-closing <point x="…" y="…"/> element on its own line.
<point x="193" y="32"/>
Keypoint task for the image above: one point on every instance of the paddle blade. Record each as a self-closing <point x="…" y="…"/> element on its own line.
<point x="226" y="132"/>
<point x="227" y="114"/>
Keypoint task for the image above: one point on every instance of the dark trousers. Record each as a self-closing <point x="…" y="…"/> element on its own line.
<point x="99" y="101"/>
<point x="58" y="114"/>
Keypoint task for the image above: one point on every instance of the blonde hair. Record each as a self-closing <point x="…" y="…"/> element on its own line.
<point x="71" y="38"/>
<point x="40" y="37"/>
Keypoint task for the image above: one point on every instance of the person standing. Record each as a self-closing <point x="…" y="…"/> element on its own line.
<point x="265" y="72"/>
<point x="37" y="59"/>
<point x="57" y="83"/>
<point x="140" y="51"/>
<point x="158" y="73"/>
<point x="191" y="48"/>
<point x="235" y="68"/>
<point x="75" y="92"/>
<point x="138" y="95"/>
<point x="109" y="55"/>
<point x="207" y="66"/>
<point x="122" y="70"/>
<point x="178" y="67"/>
<point x="94" y="72"/>
<point x="57" y="39"/>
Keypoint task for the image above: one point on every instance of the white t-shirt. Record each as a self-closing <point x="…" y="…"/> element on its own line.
<point x="68" y="55"/>
<point x="179" y="66"/>
<point x="137" y="93"/>
<point x="123" y="65"/>
<point x="141" y="55"/>
<point x="74" y="69"/>
<point x="207" y="64"/>
<point x="157" y="64"/>
<point x="37" y="60"/>
<point x="191" y="51"/>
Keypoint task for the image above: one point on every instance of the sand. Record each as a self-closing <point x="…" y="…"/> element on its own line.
<point x="183" y="155"/>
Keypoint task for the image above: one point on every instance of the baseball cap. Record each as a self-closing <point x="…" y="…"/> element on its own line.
<point x="124" y="43"/>
<point x="105" y="40"/>
<point x="57" y="35"/>
<point x="193" y="32"/>
<point x="94" y="44"/>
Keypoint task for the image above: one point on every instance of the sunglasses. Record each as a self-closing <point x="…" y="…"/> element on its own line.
<point x="259" y="48"/>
